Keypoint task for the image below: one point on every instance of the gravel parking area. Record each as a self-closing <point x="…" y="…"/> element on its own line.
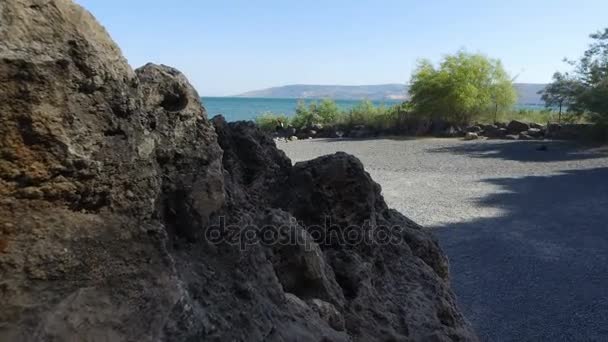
<point x="525" y="229"/>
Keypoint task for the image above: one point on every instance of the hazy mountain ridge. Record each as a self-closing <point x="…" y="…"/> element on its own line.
<point x="527" y="92"/>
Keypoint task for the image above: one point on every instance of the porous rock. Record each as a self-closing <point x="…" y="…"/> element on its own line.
<point x="125" y="214"/>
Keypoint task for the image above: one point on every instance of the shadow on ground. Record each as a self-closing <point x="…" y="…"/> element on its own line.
<point x="373" y="138"/>
<point x="538" y="272"/>
<point x="552" y="151"/>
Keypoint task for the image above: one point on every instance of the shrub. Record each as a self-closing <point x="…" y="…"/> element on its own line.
<point x="327" y="111"/>
<point x="367" y="114"/>
<point x="305" y="116"/>
<point x="461" y="89"/>
<point x="269" y="121"/>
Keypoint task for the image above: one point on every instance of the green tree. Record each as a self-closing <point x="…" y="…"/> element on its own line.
<point x="591" y="76"/>
<point x="463" y="87"/>
<point x="560" y="93"/>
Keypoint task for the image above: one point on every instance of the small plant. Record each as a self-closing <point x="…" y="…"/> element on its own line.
<point x="269" y="122"/>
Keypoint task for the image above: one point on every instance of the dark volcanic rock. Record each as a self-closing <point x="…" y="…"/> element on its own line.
<point x="493" y="131"/>
<point x="125" y="215"/>
<point x="516" y="127"/>
<point x="474" y="129"/>
<point x="343" y="208"/>
<point x="535" y="132"/>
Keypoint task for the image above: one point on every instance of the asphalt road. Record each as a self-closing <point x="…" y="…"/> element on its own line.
<point x="526" y="231"/>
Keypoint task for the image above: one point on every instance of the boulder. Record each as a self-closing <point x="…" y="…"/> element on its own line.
<point x="525" y="136"/>
<point x="471" y="136"/>
<point x="126" y="215"/>
<point x="494" y="132"/>
<point x="451" y="132"/>
<point x="474" y="129"/>
<point x="511" y="137"/>
<point x="516" y="127"/>
<point x="359" y="132"/>
<point x="343" y="209"/>
<point x="489" y="127"/>
<point x="572" y="131"/>
<point x="534" y="132"/>
<point x="553" y="129"/>
<point x="286" y="132"/>
<point x="537" y="126"/>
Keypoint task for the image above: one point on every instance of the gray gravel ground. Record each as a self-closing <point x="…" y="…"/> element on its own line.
<point x="526" y="231"/>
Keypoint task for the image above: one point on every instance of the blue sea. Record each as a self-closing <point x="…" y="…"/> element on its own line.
<point x="247" y="108"/>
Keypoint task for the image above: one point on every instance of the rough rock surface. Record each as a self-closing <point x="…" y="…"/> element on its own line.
<point x="125" y="215"/>
<point x="516" y="127"/>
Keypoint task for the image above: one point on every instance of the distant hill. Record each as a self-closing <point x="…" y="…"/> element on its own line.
<point x="527" y="92"/>
<point x="302" y="91"/>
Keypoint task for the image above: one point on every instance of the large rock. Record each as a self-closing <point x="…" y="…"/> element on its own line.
<point x="343" y="209"/>
<point x="471" y="136"/>
<point x="535" y="132"/>
<point x="574" y="131"/>
<point x="474" y="129"/>
<point x="536" y="125"/>
<point x="102" y="168"/>
<point x="516" y="127"/>
<point x="493" y="131"/>
<point x="125" y="215"/>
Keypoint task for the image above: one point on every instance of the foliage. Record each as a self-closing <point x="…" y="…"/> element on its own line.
<point x="304" y="117"/>
<point x="324" y="112"/>
<point x="365" y="113"/>
<point x="591" y="74"/>
<point x="560" y="93"/>
<point x="585" y="90"/>
<point x="327" y="112"/>
<point x="462" y="88"/>
<point x="269" y="121"/>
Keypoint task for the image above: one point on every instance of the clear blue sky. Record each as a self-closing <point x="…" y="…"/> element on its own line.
<point x="230" y="46"/>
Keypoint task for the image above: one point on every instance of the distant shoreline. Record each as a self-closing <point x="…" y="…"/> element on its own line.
<point x="527" y="92"/>
<point x="248" y="108"/>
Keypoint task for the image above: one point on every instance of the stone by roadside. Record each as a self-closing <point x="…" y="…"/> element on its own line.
<point x="513" y="130"/>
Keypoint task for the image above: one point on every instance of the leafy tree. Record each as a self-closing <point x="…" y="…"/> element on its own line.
<point x="561" y="92"/>
<point x="462" y="88"/>
<point x="591" y="76"/>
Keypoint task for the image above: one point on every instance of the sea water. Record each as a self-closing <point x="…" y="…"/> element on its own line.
<point x="247" y="108"/>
